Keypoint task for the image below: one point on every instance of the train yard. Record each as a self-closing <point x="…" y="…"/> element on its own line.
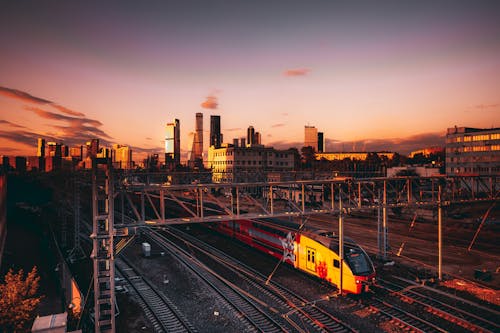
<point x="291" y="301"/>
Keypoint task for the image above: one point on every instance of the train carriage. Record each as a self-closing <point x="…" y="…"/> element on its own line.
<point x="313" y="252"/>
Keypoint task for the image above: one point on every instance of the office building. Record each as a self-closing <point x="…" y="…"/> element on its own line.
<point x="241" y="163"/>
<point x="173" y="145"/>
<point x="196" y="158"/>
<point x="321" y="142"/>
<point x="21" y="164"/>
<point x="472" y="151"/>
<point x="257" y="138"/>
<point x="92" y="148"/>
<point x="311" y="137"/>
<point x="215" y="132"/>
<point x="122" y="157"/>
<point x="253" y="137"/>
<point x="250" y="136"/>
<point x="40" y="153"/>
<point x="76" y="152"/>
<point x="53" y="156"/>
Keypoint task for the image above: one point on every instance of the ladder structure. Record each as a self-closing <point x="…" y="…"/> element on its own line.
<point x="102" y="250"/>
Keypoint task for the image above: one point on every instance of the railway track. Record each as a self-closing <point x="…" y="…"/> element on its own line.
<point x="161" y="312"/>
<point x="405" y="319"/>
<point x="295" y="309"/>
<point x="255" y="317"/>
<point x="466" y="314"/>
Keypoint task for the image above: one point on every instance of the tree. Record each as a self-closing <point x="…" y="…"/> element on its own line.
<point x="308" y="156"/>
<point x="18" y="300"/>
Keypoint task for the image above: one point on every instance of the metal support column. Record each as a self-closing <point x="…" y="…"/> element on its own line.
<point x="359" y="195"/>
<point x="162" y="206"/>
<point x="143" y="207"/>
<point x="379" y="226"/>
<point x="201" y="203"/>
<point x="341" y="241"/>
<point x="384" y="222"/>
<point x="76" y="252"/>
<point x="271" y="198"/>
<point x="102" y="252"/>
<point x="332" y="194"/>
<point x="237" y="202"/>
<point x="303" y="199"/>
<point x="440" y="236"/>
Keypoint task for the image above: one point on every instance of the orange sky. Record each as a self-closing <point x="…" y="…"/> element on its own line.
<point x="385" y="76"/>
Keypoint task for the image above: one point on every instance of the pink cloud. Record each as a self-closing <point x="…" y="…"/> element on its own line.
<point x="297" y="72"/>
<point x="210" y="103"/>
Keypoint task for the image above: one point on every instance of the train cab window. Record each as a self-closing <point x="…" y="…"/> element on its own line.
<point x="336" y="263"/>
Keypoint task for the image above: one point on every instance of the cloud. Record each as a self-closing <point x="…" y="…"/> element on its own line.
<point x="8" y="123"/>
<point x="400" y="145"/>
<point x="55" y="116"/>
<point x="233" y="129"/>
<point x="22" y="96"/>
<point x="68" y="111"/>
<point x="148" y="138"/>
<point x="277" y="125"/>
<point x="210" y="102"/>
<point x="296" y="72"/>
<point x="22" y="137"/>
<point x="403" y="145"/>
<point x="25" y="97"/>
<point x="486" y="106"/>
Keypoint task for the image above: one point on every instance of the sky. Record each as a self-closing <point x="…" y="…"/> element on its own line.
<point x="370" y="75"/>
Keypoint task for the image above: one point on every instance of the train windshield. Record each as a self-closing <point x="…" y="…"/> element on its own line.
<point x="358" y="261"/>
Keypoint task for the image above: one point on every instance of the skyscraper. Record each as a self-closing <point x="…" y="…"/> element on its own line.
<point x="41" y="154"/>
<point x="215" y="134"/>
<point x="197" y="149"/>
<point x="321" y="142"/>
<point x="173" y="145"/>
<point x="311" y="137"/>
<point x="92" y="148"/>
<point x="250" y="135"/>
<point x="122" y="157"/>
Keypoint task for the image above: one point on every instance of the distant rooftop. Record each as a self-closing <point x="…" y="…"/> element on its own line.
<point x="460" y="130"/>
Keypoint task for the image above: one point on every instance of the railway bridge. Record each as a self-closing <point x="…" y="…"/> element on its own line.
<point x="125" y="201"/>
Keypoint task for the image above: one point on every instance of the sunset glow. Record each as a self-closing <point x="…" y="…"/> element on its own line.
<point x="373" y="76"/>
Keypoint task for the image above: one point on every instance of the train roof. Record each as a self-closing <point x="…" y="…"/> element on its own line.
<point x="327" y="238"/>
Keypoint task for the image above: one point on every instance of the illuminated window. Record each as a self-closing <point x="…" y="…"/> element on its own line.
<point x="467" y="139"/>
<point x="480" y="137"/>
<point x="495" y="136"/>
<point x="479" y="148"/>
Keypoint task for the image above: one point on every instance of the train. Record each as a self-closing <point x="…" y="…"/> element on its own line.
<point x="314" y="252"/>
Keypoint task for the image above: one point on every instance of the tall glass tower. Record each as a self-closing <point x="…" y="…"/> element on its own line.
<point x="173" y="145"/>
<point x="215" y="133"/>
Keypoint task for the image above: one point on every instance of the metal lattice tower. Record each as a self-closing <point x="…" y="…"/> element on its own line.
<point x="102" y="252"/>
<point x="76" y="252"/>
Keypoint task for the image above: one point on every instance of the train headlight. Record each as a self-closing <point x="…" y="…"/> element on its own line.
<point x="358" y="281"/>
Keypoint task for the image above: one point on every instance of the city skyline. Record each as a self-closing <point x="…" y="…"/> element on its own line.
<point x="384" y="76"/>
